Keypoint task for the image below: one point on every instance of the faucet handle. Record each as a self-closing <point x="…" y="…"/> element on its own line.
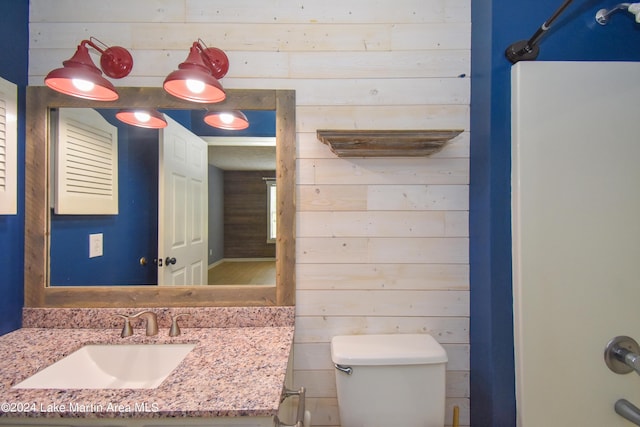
<point x="127" y="330"/>
<point x="174" y="331"/>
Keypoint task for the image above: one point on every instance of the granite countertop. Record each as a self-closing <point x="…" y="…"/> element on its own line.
<point x="232" y="371"/>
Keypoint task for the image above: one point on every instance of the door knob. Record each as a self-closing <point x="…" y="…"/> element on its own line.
<point x="169" y="261"/>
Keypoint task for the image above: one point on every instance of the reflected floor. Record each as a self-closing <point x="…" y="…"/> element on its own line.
<point x="243" y="273"/>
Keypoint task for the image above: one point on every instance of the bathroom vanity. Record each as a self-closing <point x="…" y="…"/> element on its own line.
<point x="233" y="376"/>
<point x="242" y="335"/>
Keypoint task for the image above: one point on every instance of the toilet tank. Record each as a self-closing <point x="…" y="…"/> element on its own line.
<point x="390" y="380"/>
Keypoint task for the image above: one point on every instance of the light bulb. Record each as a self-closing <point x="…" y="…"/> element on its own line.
<point x="226" y="118"/>
<point x="83" y="85"/>
<point x="142" y="116"/>
<point x="195" y="86"/>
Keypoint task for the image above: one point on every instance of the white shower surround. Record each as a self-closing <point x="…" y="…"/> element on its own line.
<point x="576" y="237"/>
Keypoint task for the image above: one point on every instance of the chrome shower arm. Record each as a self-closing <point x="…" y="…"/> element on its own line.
<point x="603" y="15"/>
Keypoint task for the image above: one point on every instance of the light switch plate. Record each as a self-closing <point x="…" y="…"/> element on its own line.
<point x="95" y="245"/>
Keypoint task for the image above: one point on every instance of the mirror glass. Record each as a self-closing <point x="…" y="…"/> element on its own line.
<point x="48" y="264"/>
<point x="240" y="176"/>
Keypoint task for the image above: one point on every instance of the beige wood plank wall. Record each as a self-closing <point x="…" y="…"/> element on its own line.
<point x="382" y="243"/>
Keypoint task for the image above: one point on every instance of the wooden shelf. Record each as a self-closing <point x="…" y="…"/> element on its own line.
<point x="386" y="143"/>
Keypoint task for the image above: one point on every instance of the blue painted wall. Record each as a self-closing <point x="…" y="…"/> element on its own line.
<point x="497" y="24"/>
<point x="14" y="44"/>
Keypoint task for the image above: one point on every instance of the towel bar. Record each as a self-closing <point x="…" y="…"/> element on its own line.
<point x="301" y="393"/>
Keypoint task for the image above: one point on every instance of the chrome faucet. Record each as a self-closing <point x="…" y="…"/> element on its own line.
<point x="151" y="319"/>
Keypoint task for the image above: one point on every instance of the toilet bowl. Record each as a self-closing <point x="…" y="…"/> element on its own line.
<point x="389" y="380"/>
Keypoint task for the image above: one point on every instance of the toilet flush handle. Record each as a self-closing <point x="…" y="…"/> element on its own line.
<point x="346" y="369"/>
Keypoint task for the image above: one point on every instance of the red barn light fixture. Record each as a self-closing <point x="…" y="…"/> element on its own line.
<point x="196" y="79"/>
<point x="151" y="119"/>
<point x="80" y="77"/>
<point x="228" y="120"/>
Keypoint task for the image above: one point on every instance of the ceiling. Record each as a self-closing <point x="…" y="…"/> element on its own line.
<point x="243" y="157"/>
<point x="242" y="152"/>
<point x="253" y="148"/>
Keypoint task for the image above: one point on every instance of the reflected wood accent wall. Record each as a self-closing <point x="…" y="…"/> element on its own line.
<point x="245" y="215"/>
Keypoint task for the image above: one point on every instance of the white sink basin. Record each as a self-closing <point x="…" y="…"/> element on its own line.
<point x="111" y="366"/>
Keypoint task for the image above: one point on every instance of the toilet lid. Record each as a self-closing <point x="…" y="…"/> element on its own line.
<point x="389" y="349"/>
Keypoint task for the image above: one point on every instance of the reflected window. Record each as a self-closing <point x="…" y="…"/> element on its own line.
<point x="271" y="211"/>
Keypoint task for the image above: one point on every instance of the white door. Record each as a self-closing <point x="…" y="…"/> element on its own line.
<point x="576" y="238"/>
<point x="182" y="213"/>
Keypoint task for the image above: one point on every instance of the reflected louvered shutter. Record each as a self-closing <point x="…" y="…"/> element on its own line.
<point x="8" y="148"/>
<point x="86" y="164"/>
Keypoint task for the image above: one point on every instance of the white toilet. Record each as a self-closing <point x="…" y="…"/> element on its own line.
<point x="389" y="380"/>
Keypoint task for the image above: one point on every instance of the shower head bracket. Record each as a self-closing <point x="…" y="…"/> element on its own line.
<point x="527" y="50"/>
<point x="522" y="51"/>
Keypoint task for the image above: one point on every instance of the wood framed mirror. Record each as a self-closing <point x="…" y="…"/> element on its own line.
<point x="39" y="293"/>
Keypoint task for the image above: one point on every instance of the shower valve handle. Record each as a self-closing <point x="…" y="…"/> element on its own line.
<point x="622" y="355"/>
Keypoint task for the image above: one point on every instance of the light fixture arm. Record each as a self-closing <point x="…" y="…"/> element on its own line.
<point x="91" y="43"/>
<point x="115" y="61"/>
<point x="215" y="59"/>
